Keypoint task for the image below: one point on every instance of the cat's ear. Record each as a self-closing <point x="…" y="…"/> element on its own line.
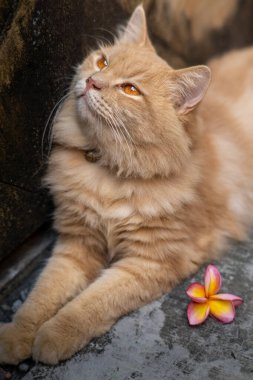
<point x="136" y="29"/>
<point x="188" y="87"/>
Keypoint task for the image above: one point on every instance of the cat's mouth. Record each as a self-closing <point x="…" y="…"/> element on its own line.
<point x="96" y="105"/>
<point x="86" y="103"/>
<point x="90" y="101"/>
<point x="93" y="105"/>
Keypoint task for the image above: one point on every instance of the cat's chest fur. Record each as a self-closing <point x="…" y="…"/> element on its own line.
<point x="87" y="193"/>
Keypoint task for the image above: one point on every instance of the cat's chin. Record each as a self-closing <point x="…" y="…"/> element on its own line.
<point x="85" y="111"/>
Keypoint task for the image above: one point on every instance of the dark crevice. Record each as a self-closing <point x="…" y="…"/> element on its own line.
<point x="16" y="186"/>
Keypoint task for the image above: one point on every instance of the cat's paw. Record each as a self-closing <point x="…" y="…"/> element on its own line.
<point x="15" y="343"/>
<point x="55" y="341"/>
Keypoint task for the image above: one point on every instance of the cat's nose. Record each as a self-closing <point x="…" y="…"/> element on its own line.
<point x="94" y="84"/>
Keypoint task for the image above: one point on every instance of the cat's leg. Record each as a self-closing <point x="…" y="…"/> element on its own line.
<point x="123" y="287"/>
<point x="71" y="268"/>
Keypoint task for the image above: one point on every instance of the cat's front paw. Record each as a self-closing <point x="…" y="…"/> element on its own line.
<point x="56" y="341"/>
<point x="15" y="343"/>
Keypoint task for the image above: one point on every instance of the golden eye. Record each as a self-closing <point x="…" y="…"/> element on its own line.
<point x="102" y="63"/>
<point x="130" y="89"/>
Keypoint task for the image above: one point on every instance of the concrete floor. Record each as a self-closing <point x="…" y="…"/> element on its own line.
<point x="156" y="342"/>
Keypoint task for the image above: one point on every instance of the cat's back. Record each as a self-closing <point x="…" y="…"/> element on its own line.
<point x="231" y="89"/>
<point x="227" y="114"/>
<point x="227" y="107"/>
<point x="232" y="73"/>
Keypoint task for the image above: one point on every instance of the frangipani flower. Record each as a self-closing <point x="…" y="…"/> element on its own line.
<point x="205" y="300"/>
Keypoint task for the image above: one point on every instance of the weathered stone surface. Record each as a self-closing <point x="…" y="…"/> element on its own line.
<point x="40" y="43"/>
<point x="156" y="342"/>
<point x="21" y="212"/>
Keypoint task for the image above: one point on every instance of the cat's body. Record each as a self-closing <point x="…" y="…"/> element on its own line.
<point x="145" y="214"/>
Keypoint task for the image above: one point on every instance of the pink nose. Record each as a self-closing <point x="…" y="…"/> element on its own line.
<point x="94" y="84"/>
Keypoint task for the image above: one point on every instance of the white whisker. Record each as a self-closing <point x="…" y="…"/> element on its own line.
<point x="58" y="104"/>
<point x="123" y="126"/>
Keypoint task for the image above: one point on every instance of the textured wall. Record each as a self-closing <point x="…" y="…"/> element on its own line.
<point x="40" y="42"/>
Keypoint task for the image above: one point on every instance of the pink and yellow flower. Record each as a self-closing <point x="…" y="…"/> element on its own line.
<point x="205" y="300"/>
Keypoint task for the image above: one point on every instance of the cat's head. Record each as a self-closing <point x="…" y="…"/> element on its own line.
<point x="132" y="105"/>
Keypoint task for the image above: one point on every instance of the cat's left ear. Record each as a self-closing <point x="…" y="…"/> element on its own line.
<point x="188" y="87"/>
<point x="136" y="30"/>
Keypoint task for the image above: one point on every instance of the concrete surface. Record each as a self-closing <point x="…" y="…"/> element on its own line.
<point x="156" y="342"/>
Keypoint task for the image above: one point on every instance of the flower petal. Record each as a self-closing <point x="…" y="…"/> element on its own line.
<point x="222" y="310"/>
<point x="212" y="280"/>
<point x="197" y="313"/>
<point x="228" y="297"/>
<point x="196" y="292"/>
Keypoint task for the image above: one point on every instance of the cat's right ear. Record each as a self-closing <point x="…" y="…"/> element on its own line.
<point x="136" y="30"/>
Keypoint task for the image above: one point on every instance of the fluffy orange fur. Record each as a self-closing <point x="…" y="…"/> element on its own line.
<point x="173" y="181"/>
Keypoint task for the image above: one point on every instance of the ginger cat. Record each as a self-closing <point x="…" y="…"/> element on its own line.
<point x="171" y="180"/>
